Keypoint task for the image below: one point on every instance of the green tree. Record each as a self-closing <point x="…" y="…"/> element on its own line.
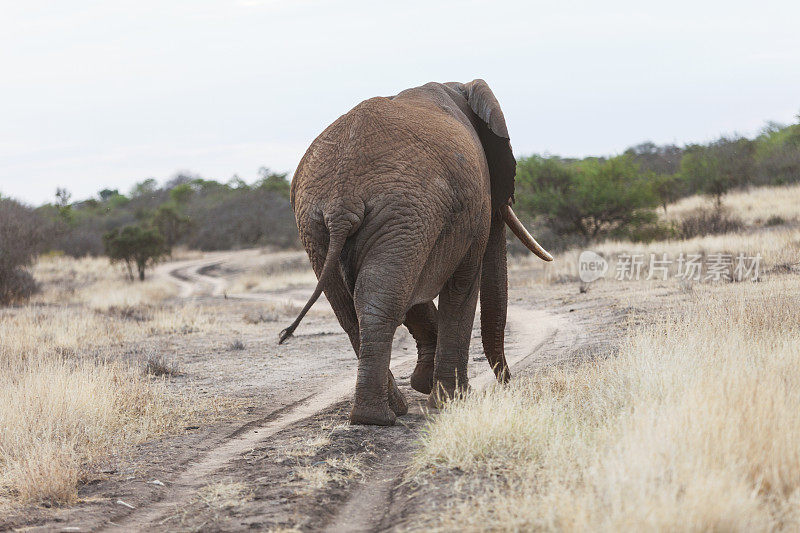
<point x="180" y="194"/>
<point x="717" y="168"/>
<point x="134" y="245"/>
<point x="667" y="188"/>
<point x="237" y="183"/>
<point x="777" y="154"/>
<point x="144" y="188"/>
<point x="63" y="197"/>
<point x="21" y="233"/>
<point x="107" y="194"/>
<point x="273" y="181"/>
<point x="118" y="201"/>
<point x="591" y="198"/>
<point x="170" y="223"/>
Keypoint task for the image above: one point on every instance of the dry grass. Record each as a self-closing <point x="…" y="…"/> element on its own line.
<point x="274" y="271"/>
<point x="776" y="247"/>
<point x="93" y="281"/>
<point x="67" y="397"/>
<point x="779" y="249"/>
<point x="318" y="474"/>
<point x="331" y="470"/>
<point x="58" y="416"/>
<point x="272" y="312"/>
<point x="308" y="447"/>
<point x="693" y="426"/>
<point x="223" y="495"/>
<point x="755" y="206"/>
<point x="260" y="282"/>
<point x="121" y="294"/>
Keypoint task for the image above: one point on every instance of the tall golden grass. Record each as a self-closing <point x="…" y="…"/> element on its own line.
<point x="755" y="206"/>
<point x="693" y="426"/>
<point x="273" y="270"/>
<point x="66" y="400"/>
<point x="779" y="248"/>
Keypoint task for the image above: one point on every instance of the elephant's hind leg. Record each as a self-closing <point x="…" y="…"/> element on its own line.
<point x="342" y="304"/>
<point x="457" y="302"/>
<point x="371" y="401"/>
<point x="421" y="321"/>
<point x="343" y="307"/>
<point x="380" y="307"/>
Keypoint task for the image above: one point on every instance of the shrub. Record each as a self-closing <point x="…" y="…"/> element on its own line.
<point x="20" y="236"/>
<point x="591" y="198"/>
<point x="702" y="222"/>
<point x="718" y="167"/>
<point x="135" y="245"/>
<point x="775" y="220"/>
<point x="225" y="219"/>
<point x="656" y="231"/>
<point x="777" y="155"/>
<point x="667" y="188"/>
<point x="171" y="224"/>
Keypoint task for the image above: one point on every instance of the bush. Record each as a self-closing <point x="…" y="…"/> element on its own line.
<point x="702" y="222"/>
<point x="718" y="167"/>
<point x="777" y="155"/>
<point x="135" y="245"/>
<point x="591" y="198"/>
<point x="241" y="218"/>
<point x="659" y="160"/>
<point x="171" y="224"/>
<point x="775" y="220"/>
<point x="188" y="210"/>
<point x="16" y="286"/>
<point x="667" y="188"/>
<point x="20" y="236"/>
<point x="656" y="231"/>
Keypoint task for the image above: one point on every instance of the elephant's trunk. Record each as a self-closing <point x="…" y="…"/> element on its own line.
<point x="494" y="298"/>
<point x="522" y="234"/>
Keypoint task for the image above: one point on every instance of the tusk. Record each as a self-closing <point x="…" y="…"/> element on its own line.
<point x="522" y="234"/>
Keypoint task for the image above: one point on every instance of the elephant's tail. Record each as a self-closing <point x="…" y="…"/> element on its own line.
<point x="338" y="236"/>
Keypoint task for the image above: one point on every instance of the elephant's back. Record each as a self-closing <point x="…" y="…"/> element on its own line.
<point x="408" y="144"/>
<point x="403" y="173"/>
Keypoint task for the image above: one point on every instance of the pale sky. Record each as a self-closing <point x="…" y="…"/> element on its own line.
<point x="100" y="94"/>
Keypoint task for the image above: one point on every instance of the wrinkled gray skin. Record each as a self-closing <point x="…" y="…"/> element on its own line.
<point x="399" y="201"/>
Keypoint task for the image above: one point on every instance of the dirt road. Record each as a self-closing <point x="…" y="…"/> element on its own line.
<point x="529" y="330"/>
<point x="293" y="461"/>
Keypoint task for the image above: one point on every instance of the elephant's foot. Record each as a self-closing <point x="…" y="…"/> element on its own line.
<point x="443" y="392"/>
<point x="373" y="415"/>
<point x="422" y="377"/>
<point x="397" y="402"/>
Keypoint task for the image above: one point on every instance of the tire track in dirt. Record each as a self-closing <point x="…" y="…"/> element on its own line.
<point x="529" y="331"/>
<point x="192" y="283"/>
<point x="369" y="505"/>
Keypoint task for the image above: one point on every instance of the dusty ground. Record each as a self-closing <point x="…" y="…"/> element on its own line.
<point x="287" y="459"/>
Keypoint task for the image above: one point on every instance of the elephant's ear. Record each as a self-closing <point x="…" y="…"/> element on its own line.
<point x="493" y="134"/>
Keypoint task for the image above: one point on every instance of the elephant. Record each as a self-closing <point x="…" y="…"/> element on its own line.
<point x="400" y="200"/>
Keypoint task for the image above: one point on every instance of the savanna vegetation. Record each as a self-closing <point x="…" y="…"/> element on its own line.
<point x="568" y="202"/>
<point x="580" y="201"/>
<point x="20" y="237"/>
<point x="692" y="425"/>
<point x="70" y="399"/>
<point x="689" y="422"/>
<point x="649" y="436"/>
<point x="187" y="210"/>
